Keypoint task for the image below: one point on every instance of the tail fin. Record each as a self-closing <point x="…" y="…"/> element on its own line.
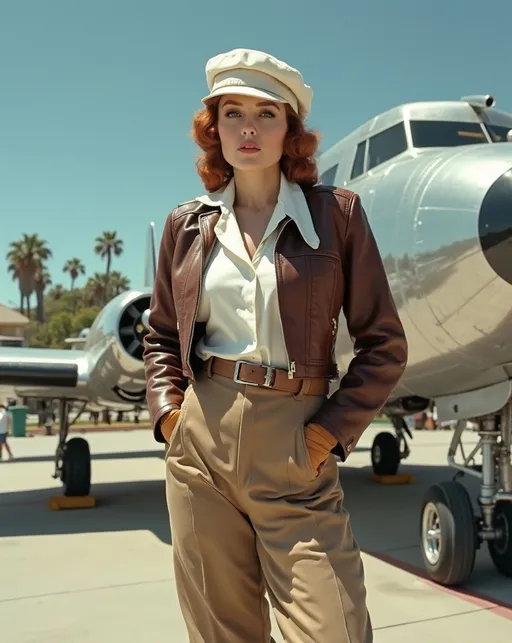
<point x="150" y="261"/>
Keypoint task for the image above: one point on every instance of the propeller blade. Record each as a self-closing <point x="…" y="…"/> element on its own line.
<point x="132" y="311"/>
<point x="133" y="346"/>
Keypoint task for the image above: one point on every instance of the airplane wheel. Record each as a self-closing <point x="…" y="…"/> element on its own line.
<point x="385" y="454"/>
<point x="501" y="548"/>
<point x="76" y="468"/>
<point x="449" y="537"/>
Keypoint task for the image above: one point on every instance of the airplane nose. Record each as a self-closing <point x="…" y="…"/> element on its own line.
<point x="495" y="226"/>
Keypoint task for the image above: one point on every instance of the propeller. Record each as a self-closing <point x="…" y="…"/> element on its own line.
<point x="133" y="326"/>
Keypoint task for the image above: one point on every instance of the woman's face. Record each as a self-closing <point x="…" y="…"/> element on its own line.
<point x="251" y="131"/>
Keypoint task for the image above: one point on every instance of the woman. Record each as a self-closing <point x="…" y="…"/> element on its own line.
<point x="239" y="354"/>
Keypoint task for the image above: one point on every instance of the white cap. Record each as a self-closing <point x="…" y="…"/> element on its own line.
<point x="254" y="73"/>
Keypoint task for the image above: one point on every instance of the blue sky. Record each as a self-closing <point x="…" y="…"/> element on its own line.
<point x="97" y="97"/>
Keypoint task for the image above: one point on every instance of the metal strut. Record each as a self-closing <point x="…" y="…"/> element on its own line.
<point x="401" y="429"/>
<point x="495" y="472"/>
<point x="64" y="425"/>
<point x="505" y="453"/>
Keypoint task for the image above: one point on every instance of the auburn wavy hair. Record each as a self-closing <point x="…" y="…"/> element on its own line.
<point x="297" y="162"/>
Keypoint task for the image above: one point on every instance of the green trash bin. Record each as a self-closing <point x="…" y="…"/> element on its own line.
<point x="19" y="420"/>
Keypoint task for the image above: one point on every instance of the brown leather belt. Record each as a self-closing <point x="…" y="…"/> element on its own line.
<point x="265" y="376"/>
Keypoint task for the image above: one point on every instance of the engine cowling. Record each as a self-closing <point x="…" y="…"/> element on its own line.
<point x="120" y="327"/>
<point x="116" y="346"/>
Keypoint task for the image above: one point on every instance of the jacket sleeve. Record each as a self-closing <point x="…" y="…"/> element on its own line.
<point x="165" y="383"/>
<point x="380" y="345"/>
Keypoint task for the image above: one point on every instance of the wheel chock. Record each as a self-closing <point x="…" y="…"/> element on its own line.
<point x="401" y="478"/>
<point x="71" y="502"/>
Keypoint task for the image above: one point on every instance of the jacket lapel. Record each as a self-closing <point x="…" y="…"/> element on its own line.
<point x="207" y="222"/>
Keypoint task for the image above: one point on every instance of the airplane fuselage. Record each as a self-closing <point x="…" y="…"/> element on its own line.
<point x="432" y="211"/>
<point x="456" y="310"/>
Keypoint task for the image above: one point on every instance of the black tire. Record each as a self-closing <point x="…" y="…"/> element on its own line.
<point x="385" y="454"/>
<point x="501" y="549"/>
<point x="447" y="507"/>
<point x="76" y="468"/>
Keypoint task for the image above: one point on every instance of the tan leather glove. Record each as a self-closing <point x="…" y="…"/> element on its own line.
<point x="168" y="423"/>
<point x="319" y="442"/>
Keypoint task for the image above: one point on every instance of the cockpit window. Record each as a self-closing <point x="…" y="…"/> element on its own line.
<point x="446" y="133"/>
<point x="498" y="133"/>
<point x="329" y="175"/>
<point x="387" y="144"/>
<point x="358" y="166"/>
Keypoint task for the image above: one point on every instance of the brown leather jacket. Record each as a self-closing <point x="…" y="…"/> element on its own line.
<point x="344" y="273"/>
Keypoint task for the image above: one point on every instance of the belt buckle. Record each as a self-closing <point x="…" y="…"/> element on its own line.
<point x="268" y="374"/>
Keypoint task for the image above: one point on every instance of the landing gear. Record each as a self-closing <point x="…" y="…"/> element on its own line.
<point x="76" y="468"/>
<point x="450" y="533"/>
<point x="72" y="458"/>
<point x="385" y="454"/>
<point x="389" y="450"/>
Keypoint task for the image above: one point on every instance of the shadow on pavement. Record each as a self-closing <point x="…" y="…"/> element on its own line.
<point x="385" y="519"/>
<point x="125" y="455"/>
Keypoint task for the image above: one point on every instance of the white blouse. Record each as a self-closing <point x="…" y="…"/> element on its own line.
<point x="239" y="297"/>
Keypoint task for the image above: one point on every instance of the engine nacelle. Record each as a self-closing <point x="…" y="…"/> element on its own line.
<point x="115" y="344"/>
<point x="120" y="324"/>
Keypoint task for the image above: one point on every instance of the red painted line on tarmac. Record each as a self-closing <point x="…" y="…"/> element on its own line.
<point x="480" y="600"/>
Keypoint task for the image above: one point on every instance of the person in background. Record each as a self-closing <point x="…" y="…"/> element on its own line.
<point x="5" y="425"/>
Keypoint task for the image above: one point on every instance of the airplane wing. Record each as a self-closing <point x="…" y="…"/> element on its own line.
<point x="31" y="368"/>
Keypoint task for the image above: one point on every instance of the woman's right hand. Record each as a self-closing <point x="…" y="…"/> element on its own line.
<point x="168" y="423"/>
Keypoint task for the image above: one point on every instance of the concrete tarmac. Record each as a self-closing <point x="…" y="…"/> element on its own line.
<point x="105" y="574"/>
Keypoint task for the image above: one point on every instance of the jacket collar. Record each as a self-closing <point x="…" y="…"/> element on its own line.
<point x="291" y="202"/>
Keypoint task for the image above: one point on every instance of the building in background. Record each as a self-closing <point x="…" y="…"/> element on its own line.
<point x="12" y="327"/>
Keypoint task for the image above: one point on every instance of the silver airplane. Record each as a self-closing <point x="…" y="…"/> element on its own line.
<point x="435" y="179"/>
<point x="107" y="371"/>
<point x="437" y="190"/>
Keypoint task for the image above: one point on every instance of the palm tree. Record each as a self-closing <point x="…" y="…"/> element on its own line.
<point x="26" y="258"/>
<point x="118" y="283"/>
<point x="96" y="289"/>
<point x="75" y="268"/>
<point x="107" y="246"/>
<point x="42" y="281"/>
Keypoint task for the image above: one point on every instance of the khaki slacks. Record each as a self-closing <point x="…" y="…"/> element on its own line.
<point x="249" y="513"/>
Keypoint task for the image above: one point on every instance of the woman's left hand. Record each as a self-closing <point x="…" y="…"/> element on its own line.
<point x="168" y="423"/>
<point x="319" y="443"/>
